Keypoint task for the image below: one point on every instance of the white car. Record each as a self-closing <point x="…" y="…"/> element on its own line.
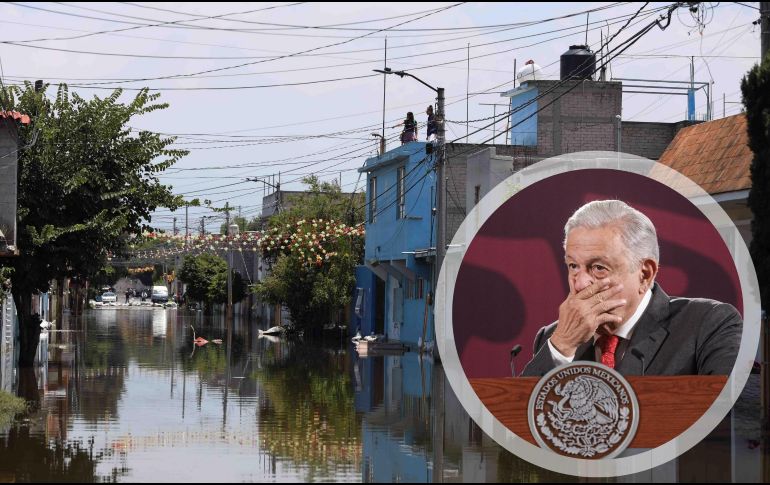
<point x="159" y="294"/>
<point x="109" y="297"/>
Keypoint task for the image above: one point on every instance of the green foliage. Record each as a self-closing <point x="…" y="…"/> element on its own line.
<point x="255" y="224"/>
<point x="756" y="97"/>
<point x="108" y="276"/>
<point x="206" y="279"/>
<point x="10" y="406"/>
<point x="86" y="181"/>
<point x="313" y="257"/>
<point x="323" y="200"/>
<point x="157" y="276"/>
<point x="242" y="225"/>
<point x="5" y="282"/>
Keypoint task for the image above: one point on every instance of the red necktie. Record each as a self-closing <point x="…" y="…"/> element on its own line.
<point x="608" y="344"/>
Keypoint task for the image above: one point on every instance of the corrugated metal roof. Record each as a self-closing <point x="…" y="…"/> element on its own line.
<point x="24" y="119"/>
<point x="715" y="154"/>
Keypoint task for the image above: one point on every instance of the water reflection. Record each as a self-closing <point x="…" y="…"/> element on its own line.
<point x="125" y="395"/>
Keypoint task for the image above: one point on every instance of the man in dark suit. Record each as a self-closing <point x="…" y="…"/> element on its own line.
<point x="616" y="314"/>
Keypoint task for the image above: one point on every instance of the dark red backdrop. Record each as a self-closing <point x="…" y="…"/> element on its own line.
<point x="512" y="278"/>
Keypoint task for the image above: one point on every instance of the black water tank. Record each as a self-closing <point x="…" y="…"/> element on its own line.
<point x="578" y="63"/>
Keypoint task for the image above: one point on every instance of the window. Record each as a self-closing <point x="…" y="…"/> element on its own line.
<point x="372" y="199"/>
<point x="477" y="194"/>
<point x="410" y="290"/>
<point x="401" y="194"/>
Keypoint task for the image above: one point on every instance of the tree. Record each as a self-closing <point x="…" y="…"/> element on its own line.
<point x="107" y="276"/>
<point x="206" y="279"/>
<point x="313" y="255"/>
<point x="756" y="98"/>
<point x="255" y="224"/>
<point x="86" y="181"/>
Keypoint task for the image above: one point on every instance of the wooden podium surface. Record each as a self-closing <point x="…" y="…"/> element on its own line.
<point x="668" y="405"/>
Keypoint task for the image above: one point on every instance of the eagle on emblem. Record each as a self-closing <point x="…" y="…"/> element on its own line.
<point x="586" y="399"/>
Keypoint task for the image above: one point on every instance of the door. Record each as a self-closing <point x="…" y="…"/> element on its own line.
<point x="379" y="307"/>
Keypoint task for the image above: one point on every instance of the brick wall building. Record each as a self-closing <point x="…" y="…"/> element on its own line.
<point x="582" y="116"/>
<point x="457" y="158"/>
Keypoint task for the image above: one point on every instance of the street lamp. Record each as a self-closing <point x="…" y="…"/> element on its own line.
<point x="439" y="166"/>
<point x="382" y="142"/>
<point x="276" y="186"/>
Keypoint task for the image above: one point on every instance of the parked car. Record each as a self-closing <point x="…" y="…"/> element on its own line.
<point x="109" y="297"/>
<point x="159" y="294"/>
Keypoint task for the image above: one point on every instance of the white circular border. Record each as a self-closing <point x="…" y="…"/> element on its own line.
<point x="455" y="374"/>
<point x="621" y="447"/>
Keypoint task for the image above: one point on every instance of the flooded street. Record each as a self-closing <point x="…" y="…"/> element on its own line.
<point x="125" y="395"/>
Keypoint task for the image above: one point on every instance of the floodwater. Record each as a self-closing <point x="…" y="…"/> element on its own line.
<point x="124" y="395"/>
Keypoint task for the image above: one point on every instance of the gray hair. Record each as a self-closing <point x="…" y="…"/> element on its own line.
<point x="635" y="229"/>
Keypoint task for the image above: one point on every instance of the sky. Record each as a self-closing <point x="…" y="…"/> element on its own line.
<point x="258" y="89"/>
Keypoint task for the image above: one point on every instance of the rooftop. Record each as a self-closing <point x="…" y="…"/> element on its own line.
<point x="715" y="154"/>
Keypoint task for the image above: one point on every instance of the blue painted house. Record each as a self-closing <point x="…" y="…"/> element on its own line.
<point x="394" y="282"/>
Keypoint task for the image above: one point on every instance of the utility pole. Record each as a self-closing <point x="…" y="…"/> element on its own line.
<point x="384" y="92"/>
<point x="186" y="224"/>
<point x="440" y="184"/>
<point x="174" y="226"/>
<point x="203" y="226"/>
<point x="272" y="185"/>
<point x="232" y="231"/>
<point x="764" y="24"/>
<point x="278" y="195"/>
<point x="227" y="215"/>
<point x="440" y="151"/>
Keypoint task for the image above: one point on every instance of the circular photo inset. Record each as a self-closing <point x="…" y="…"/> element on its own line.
<point x="601" y="258"/>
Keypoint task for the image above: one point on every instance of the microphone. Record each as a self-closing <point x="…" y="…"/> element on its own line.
<point x="639" y="355"/>
<point x="514" y="352"/>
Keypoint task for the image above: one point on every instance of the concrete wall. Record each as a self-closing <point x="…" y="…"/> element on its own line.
<point x="485" y="169"/>
<point x="577" y="117"/>
<point x="456" y="171"/>
<point x="8" y="177"/>
<point x="8" y="335"/>
<point x="647" y="140"/>
<point x="282" y="199"/>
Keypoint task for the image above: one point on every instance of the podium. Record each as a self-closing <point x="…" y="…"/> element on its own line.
<point x="668" y="405"/>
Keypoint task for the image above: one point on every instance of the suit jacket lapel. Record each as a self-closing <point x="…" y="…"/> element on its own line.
<point x="649" y="334"/>
<point x="585" y="352"/>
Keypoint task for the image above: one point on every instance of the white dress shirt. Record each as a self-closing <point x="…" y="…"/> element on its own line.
<point x="625" y="331"/>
